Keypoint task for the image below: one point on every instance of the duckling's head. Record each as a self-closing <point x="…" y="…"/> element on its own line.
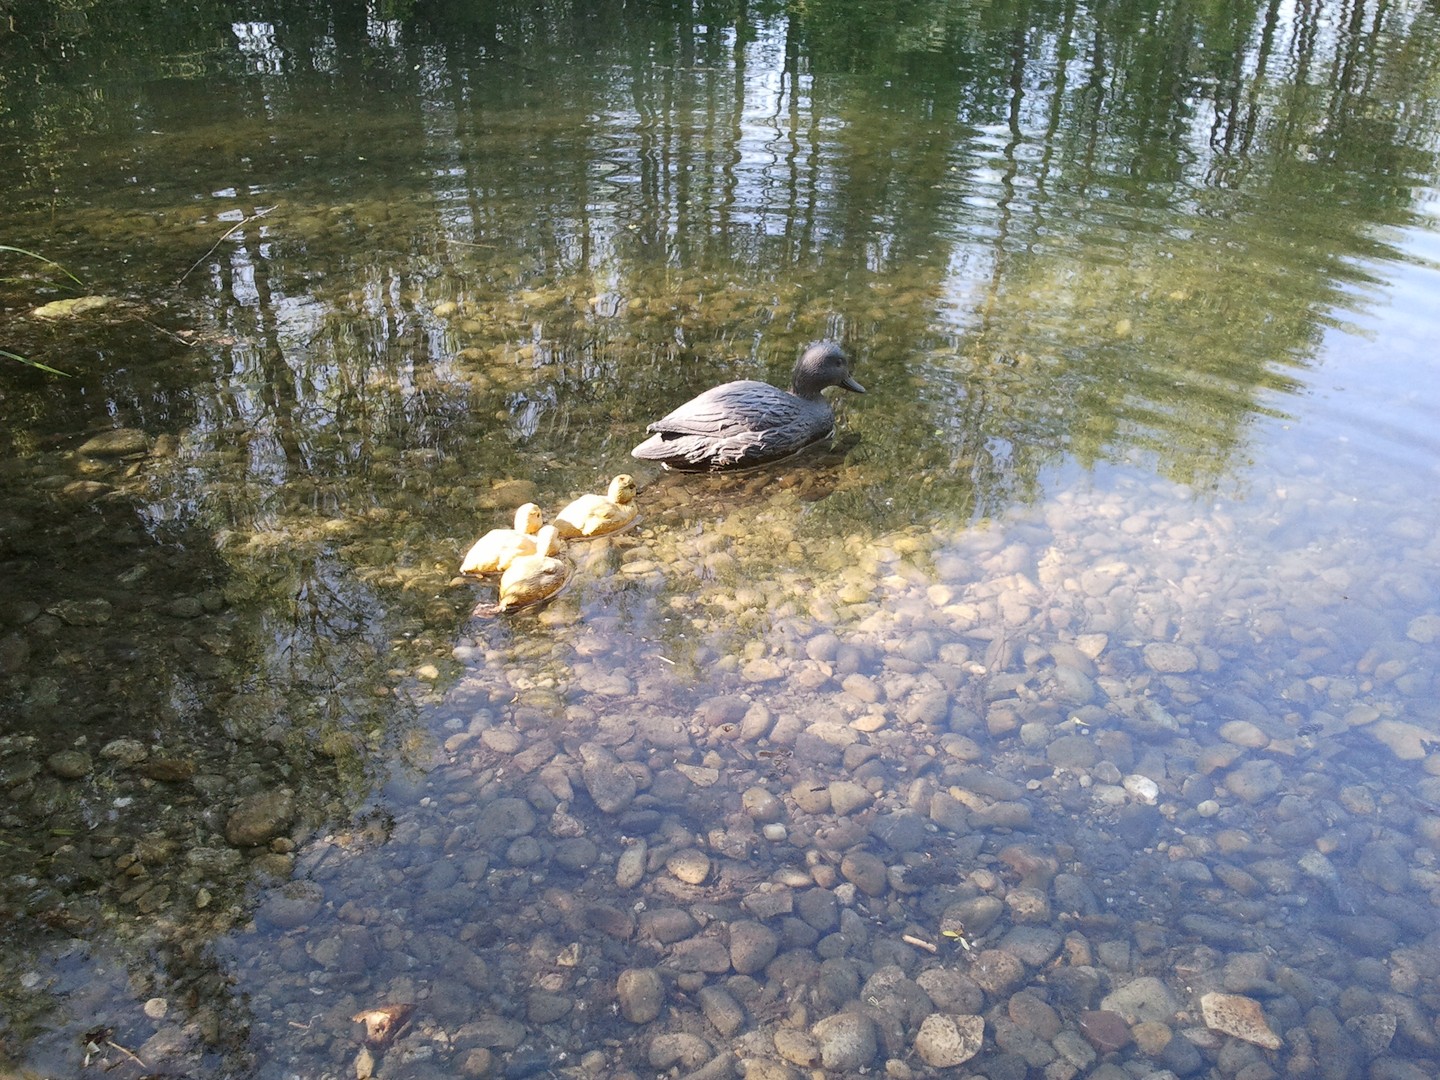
<point x="622" y="489"/>
<point x="822" y="364"/>
<point x="527" y="519"/>
<point x="547" y="542"/>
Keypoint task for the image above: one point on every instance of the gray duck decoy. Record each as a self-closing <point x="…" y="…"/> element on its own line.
<point x="740" y="424"/>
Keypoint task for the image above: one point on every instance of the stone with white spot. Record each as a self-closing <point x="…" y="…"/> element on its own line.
<point x="946" y="1041"/>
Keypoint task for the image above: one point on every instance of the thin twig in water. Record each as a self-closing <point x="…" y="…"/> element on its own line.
<point x="127" y="1053"/>
<point x="189" y="343"/>
<point x="227" y="234"/>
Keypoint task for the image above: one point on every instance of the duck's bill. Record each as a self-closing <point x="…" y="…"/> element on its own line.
<point x="849" y="383"/>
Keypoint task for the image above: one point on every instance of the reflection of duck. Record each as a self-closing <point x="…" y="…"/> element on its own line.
<point x="599" y="515"/>
<point x="494" y="551"/>
<point x="744" y="423"/>
<point x="535" y="577"/>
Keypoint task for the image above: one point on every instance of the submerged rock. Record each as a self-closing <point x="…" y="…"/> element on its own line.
<point x="292" y="905"/>
<point x="608" y="782"/>
<point x="1373" y="1031"/>
<point x="944" y="1041"/>
<point x="1145" y="998"/>
<point x="847" y="1041"/>
<point x="75" y="305"/>
<point x="1254" y="781"/>
<point x="1241" y="1017"/>
<point x="640" y="993"/>
<point x="1106" y="1031"/>
<point x="70" y="764"/>
<point x="1169" y="658"/>
<point x="121" y="442"/>
<point x="260" y="817"/>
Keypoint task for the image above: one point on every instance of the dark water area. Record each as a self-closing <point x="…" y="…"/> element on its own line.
<point x="1073" y="713"/>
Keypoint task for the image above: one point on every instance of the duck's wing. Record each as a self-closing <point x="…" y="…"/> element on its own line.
<point x="583" y="516"/>
<point x="495" y="550"/>
<point x="701" y="452"/>
<point x="729" y="410"/>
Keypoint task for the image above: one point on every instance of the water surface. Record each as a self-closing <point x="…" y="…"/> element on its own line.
<point x="1097" y="655"/>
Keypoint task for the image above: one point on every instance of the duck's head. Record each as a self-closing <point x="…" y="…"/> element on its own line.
<point x="527" y="519"/>
<point x="622" y="489"/>
<point x="822" y="364"/>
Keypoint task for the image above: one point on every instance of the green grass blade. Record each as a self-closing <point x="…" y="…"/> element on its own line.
<point x="42" y="258"/>
<point x="34" y="363"/>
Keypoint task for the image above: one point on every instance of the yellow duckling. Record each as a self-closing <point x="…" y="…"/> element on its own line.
<point x="532" y="578"/>
<point x="600" y="515"/>
<point x="498" y="548"/>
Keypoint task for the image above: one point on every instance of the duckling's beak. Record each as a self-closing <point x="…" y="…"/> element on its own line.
<point x="849" y="383"/>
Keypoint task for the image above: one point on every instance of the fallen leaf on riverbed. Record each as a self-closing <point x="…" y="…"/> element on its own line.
<point x="382" y="1024"/>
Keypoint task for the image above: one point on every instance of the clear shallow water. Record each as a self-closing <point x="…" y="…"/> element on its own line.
<point x="1110" y="619"/>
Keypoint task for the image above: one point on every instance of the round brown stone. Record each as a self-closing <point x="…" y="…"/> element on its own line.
<point x="1106" y="1031"/>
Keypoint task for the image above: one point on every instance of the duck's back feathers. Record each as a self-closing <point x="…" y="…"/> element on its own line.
<point x="599" y="515"/>
<point x="494" y="551"/>
<point x="742" y="405"/>
<point x="534" y="577"/>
